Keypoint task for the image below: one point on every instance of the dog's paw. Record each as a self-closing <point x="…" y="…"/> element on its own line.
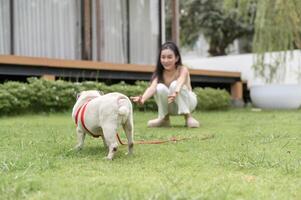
<point x="129" y="153"/>
<point x="77" y="148"/>
<point x="107" y="158"/>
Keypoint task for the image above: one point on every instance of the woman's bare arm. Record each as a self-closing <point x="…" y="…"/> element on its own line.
<point x="180" y="82"/>
<point x="182" y="78"/>
<point x="148" y="93"/>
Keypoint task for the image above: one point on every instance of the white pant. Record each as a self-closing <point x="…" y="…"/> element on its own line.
<point x="185" y="101"/>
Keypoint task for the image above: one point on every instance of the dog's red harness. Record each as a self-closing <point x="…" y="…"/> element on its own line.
<point x="80" y="115"/>
<point x="81" y="111"/>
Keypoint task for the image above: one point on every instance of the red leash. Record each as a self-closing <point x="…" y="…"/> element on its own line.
<point x="172" y="139"/>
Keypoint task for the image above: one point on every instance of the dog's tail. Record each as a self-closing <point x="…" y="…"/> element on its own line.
<point x="123" y="106"/>
<point x="124" y="111"/>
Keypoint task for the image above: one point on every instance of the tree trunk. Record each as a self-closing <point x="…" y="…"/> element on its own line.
<point x="215" y="50"/>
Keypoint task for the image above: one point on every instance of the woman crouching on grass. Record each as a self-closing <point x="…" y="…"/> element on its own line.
<point x="171" y="87"/>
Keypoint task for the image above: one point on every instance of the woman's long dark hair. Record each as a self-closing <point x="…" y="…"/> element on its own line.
<point x="159" y="67"/>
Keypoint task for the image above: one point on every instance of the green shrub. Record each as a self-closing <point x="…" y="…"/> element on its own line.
<point x="212" y="99"/>
<point x="50" y="95"/>
<point x="39" y="95"/>
<point x="20" y="93"/>
<point x="6" y="102"/>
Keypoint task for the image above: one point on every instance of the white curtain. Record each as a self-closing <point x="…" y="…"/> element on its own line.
<point x="4" y="27"/>
<point x="47" y="28"/>
<point x="52" y="28"/>
<point x="144" y="31"/>
<point x="110" y="31"/>
<point x="109" y="34"/>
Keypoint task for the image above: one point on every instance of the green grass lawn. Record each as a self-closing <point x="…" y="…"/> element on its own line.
<point x="253" y="155"/>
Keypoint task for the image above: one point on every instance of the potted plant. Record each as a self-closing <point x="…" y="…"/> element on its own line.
<point x="277" y="38"/>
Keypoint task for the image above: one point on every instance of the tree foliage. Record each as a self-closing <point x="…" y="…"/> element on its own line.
<point x="277" y="28"/>
<point x="274" y="19"/>
<point x="219" y="26"/>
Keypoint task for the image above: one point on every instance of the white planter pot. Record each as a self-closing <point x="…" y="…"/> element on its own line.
<point x="276" y="96"/>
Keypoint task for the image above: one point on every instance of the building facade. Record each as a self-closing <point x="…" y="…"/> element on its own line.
<point x="118" y="31"/>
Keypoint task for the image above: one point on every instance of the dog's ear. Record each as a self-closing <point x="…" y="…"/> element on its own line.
<point x="78" y="95"/>
<point x="100" y="92"/>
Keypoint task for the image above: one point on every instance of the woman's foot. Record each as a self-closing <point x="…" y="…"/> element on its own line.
<point x="159" y="122"/>
<point x="191" y="122"/>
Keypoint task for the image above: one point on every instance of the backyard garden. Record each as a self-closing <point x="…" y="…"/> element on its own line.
<point x="236" y="153"/>
<point x="241" y="153"/>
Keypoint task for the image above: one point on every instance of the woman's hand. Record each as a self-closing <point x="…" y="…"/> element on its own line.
<point x="171" y="98"/>
<point x="137" y="99"/>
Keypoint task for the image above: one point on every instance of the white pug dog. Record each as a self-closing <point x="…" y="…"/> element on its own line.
<point x="101" y="115"/>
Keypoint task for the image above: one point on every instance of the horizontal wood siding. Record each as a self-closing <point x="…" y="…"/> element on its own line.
<point x="79" y="64"/>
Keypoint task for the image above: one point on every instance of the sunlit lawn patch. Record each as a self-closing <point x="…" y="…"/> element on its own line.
<point x="249" y="155"/>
